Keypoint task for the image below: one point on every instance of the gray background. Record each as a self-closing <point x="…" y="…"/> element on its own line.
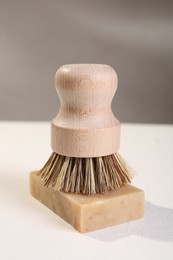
<point x="134" y="37"/>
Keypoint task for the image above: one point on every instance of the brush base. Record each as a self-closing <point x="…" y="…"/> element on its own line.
<point x="92" y="212"/>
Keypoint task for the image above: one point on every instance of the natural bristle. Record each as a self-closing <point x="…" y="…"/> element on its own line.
<point x="85" y="175"/>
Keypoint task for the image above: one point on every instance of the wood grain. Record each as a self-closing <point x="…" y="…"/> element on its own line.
<point x="85" y="125"/>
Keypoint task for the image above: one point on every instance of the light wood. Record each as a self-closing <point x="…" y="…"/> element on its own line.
<point x="85" y="125"/>
<point x="88" y="213"/>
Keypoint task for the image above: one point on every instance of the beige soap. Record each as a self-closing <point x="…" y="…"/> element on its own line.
<point x="91" y="212"/>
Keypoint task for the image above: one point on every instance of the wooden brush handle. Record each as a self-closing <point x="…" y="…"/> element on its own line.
<point x="85" y="125"/>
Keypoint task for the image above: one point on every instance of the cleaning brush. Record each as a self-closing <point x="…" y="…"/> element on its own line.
<point x="85" y="135"/>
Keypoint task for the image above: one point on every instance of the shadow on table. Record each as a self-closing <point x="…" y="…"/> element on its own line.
<point x="157" y="224"/>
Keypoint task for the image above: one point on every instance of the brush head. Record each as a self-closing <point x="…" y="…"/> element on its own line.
<point x="85" y="125"/>
<point x="85" y="175"/>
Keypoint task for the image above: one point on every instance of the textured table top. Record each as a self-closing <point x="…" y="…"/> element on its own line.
<point x="28" y="230"/>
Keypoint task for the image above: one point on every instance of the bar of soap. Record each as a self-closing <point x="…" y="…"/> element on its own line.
<point x="90" y="212"/>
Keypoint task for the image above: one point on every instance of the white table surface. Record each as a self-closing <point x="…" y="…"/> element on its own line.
<point x="29" y="230"/>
